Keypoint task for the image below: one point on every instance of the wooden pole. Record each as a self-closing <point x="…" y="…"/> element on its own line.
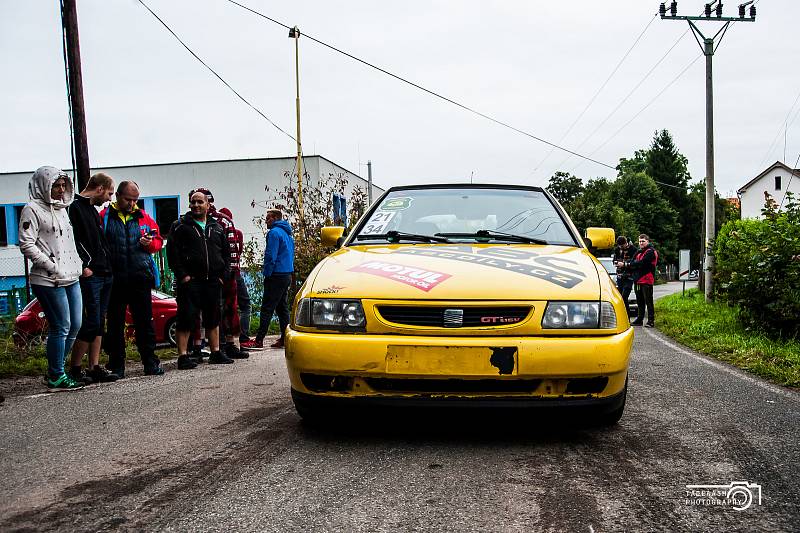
<point x="69" y="18"/>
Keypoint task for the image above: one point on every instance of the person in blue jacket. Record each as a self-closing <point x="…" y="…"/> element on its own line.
<point x="278" y="270"/>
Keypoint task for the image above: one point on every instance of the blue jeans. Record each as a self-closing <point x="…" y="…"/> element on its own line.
<point x="63" y="309"/>
<point x="95" y="291"/>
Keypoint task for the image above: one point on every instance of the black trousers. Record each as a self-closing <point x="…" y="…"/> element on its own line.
<point x="135" y="294"/>
<point x="625" y="286"/>
<point x="276" y="292"/>
<point x="644" y="297"/>
<point x="243" y="301"/>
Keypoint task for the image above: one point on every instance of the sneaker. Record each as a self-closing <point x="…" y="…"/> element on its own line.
<point x="219" y="358"/>
<point x="63" y="382"/>
<point x="650" y="325"/>
<point x="277" y="344"/>
<point x="119" y="372"/>
<point x="155" y="371"/>
<point x="197" y="355"/>
<point x="255" y="344"/>
<point x="76" y="373"/>
<point x="186" y="363"/>
<point x="101" y="375"/>
<point x="235" y="353"/>
<point x="636" y="323"/>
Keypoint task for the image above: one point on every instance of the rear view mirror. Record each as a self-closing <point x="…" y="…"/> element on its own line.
<point x="600" y="238"/>
<point x="331" y="236"/>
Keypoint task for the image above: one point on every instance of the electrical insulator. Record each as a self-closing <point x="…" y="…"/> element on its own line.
<point x="673" y="9"/>
<point x="708" y="10"/>
<point x="719" y="9"/>
<point x="662" y="10"/>
<point x="741" y="11"/>
<point x="753" y="12"/>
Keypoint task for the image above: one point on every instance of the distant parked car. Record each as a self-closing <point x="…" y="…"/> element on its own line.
<point x="30" y="327"/>
<point x="608" y="264"/>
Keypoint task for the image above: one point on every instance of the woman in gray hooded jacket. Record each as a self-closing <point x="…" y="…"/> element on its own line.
<point x="46" y="239"/>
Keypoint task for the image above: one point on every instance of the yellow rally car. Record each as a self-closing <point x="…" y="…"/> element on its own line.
<point x="479" y="295"/>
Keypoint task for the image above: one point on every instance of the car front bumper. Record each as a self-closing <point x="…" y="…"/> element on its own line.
<point x="496" y="370"/>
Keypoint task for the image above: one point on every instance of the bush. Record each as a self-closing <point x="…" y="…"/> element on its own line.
<point x="758" y="268"/>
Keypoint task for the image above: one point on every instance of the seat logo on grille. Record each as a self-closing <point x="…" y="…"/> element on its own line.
<point x="453" y="318"/>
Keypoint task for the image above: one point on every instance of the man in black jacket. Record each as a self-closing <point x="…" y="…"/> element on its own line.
<point x="624" y="251"/>
<point x="96" y="279"/>
<point x="199" y="255"/>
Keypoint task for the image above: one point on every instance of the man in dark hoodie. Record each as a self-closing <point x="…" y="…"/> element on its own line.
<point x="96" y="280"/>
<point x="278" y="271"/>
<point x="643" y="266"/>
<point x="199" y="255"/>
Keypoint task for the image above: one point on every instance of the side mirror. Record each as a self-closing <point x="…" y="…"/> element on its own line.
<point x="331" y="236"/>
<point x="600" y="238"/>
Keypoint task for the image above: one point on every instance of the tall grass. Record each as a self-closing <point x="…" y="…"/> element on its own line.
<point x="715" y="329"/>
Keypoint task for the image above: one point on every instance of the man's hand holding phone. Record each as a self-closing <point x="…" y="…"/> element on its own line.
<point x="147" y="238"/>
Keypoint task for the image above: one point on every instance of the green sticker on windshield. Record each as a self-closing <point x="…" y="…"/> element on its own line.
<point x="396" y="204"/>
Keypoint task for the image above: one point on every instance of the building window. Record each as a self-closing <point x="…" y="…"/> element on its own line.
<point x="777" y="183"/>
<point x="166" y="212"/>
<point x="3" y="228"/>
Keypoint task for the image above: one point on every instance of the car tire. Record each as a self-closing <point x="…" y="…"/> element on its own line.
<point x="171" y="332"/>
<point x="612" y="417"/>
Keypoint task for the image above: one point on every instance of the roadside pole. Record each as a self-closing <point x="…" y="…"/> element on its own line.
<point x="72" y="56"/>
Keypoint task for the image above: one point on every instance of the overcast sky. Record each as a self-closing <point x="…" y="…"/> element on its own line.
<point x="534" y="65"/>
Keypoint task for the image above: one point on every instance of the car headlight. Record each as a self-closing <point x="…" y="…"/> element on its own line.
<point x="579" y="315"/>
<point x="330" y="313"/>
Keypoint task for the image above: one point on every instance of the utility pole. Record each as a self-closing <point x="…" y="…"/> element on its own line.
<point x="294" y="33"/>
<point x="708" y="47"/>
<point x="72" y="51"/>
<point x="369" y="182"/>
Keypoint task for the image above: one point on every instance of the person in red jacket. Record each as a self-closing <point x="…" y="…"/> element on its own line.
<point x="643" y="267"/>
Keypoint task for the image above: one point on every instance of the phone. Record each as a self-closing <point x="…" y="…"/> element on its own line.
<point x="152" y="233"/>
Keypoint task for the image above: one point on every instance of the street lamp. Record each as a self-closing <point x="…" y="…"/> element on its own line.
<point x="708" y="46"/>
<point x="294" y="33"/>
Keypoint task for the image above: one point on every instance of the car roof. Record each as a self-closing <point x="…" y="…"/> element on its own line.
<point x="464" y="186"/>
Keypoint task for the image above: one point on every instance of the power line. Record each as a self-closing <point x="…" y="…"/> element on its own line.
<point x="597" y="93"/>
<point x="429" y="91"/>
<point x="622" y="102"/>
<point x="242" y="98"/>
<point x="653" y="100"/>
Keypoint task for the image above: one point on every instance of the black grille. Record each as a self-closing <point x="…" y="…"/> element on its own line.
<point x="433" y="316"/>
<point x="453" y="385"/>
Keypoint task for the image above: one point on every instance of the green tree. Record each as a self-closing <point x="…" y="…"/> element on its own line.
<point x="638" y="163"/>
<point x="565" y="187"/>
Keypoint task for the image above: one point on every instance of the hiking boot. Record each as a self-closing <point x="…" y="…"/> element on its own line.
<point x="233" y="352"/>
<point x="101" y="375"/>
<point x="277" y="344"/>
<point x="219" y="358"/>
<point x="636" y="323"/>
<point x="76" y="373"/>
<point x="155" y="371"/>
<point x="186" y="363"/>
<point x="255" y="344"/>
<point x="63" y="382"/>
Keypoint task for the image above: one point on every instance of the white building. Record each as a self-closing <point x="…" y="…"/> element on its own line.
<point x="776" y="180"/>
<point x="236" y="184"/>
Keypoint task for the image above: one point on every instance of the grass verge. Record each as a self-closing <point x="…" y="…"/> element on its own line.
<point x="714" y="329"/>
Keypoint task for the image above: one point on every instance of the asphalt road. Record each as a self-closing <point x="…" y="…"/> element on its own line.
<point x="220" y="448"/>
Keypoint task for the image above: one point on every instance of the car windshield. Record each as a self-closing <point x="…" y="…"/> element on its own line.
<point x="465" y="214"/>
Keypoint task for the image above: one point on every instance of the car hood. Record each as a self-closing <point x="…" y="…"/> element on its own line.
<point x="458" y="272"/>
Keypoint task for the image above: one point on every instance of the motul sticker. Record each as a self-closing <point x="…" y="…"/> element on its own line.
<point x="416" y="277"/>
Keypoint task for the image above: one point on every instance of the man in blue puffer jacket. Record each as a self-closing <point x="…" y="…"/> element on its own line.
<point x="278" y="270"/>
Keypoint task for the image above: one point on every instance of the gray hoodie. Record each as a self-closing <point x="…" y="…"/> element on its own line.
<point x="45" y="233"/>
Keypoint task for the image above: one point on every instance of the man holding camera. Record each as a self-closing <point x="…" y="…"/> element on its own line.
<point x="132" y="237"/>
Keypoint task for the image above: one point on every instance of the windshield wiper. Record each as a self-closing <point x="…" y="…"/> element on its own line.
<point x="495" y="235"/>
<point x="399" y="235"/>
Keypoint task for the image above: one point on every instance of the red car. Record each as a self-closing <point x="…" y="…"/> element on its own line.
<point x="30" y="327"/>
